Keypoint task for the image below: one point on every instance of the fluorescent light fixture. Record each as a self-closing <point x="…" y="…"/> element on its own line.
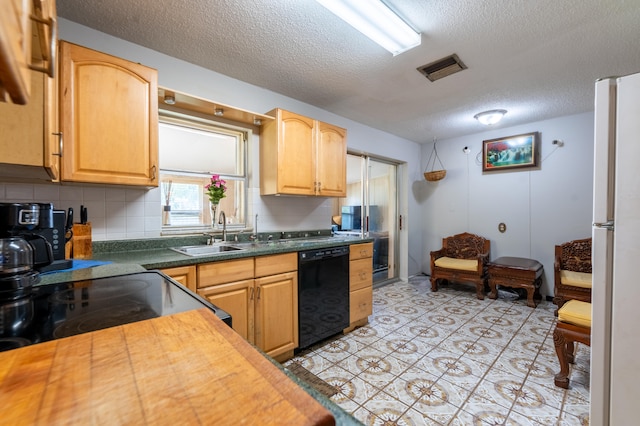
<point x="375" y="20"/>
<point x="490" y="117"/>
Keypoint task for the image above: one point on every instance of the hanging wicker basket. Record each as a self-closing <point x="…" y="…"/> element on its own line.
<point x="434" y="175"/>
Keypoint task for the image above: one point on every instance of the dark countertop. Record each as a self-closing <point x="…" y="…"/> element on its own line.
<point x="129" y="256"/>
<point x="156" y="253"/>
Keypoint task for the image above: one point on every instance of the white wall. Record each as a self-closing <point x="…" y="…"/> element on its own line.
<point x="541" y="207"/>
<point x="133" y="213"/>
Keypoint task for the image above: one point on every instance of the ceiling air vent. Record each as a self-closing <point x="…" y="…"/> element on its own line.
<point x="442" y="67"/>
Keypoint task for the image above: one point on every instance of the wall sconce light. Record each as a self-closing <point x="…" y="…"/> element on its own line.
<point x="490" y="117"/>
<point x="169" y="100"/>
<point x="218" y="112"/>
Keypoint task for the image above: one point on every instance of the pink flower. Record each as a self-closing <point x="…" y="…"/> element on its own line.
<point x="216" y="189"/>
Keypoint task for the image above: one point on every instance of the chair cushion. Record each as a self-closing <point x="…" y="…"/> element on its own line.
<point x="575" y="279"/>
<point x="459" y="264"/>
<point x="576" y="312"/>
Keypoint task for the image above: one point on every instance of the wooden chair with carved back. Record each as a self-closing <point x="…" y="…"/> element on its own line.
<point x="572" y="272"/>
<point x="462" y="258"/>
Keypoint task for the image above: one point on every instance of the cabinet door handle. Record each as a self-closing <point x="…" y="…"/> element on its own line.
<point x="251" y="293"/>
<point x="53" y="48"/>
<point x="59" y="153"/>
<point x="153" y="172"/>
<point x="258" y="293"/>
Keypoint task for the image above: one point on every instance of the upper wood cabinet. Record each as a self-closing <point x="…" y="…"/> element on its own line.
<point x="17" y="58"/>
<point x="302" y="156"/>
<point x="331" y="160"/>
<point x="30" y="142"/>
<point x="109" y="118"/>
<point x="15" y="50"/>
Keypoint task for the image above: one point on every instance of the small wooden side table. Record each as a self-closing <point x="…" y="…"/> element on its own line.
<point x="516" y="272"/>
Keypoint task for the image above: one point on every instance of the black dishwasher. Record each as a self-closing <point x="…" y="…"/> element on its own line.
<point x="323" y="293"/>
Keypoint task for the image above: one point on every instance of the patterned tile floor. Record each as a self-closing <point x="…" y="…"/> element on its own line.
<point x="447" y="358"/>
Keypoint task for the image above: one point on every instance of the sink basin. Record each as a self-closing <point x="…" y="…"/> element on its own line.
<point x="204" y="250"/>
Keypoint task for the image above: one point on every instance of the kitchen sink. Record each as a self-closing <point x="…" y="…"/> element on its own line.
<point x="205" y="250"/>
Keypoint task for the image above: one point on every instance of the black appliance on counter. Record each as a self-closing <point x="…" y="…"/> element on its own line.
<point x="323" y="294"/>
<point x="70" y="308"/>
<point x="42" y="227"/>
<point x="17" y="279"/>
<point x="351" y="217"/>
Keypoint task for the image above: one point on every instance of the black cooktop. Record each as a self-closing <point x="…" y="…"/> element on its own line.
<point x="67" y="309"/>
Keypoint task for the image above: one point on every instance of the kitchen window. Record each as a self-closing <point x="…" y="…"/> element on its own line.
<point x="192" y="149"/>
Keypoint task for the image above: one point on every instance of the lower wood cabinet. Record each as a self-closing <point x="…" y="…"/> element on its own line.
<point x="261" y="294"/>
<point x="185" y="275"/>
<point x="276" y="320"/>
<point x="237" y="298"/>
<point x="360" y="284"/>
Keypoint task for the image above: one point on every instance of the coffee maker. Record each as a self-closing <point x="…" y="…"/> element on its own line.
<point x="42" y="227"/>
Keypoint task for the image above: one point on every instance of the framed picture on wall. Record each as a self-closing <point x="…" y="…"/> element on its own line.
<point x="512" y="152"/>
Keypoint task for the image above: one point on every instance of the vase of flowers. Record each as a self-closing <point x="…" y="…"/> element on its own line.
<point x="215" y="190"/>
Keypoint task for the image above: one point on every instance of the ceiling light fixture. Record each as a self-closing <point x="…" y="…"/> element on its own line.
<point x="490" y="117"/>
<point x="169" y="100"/>
<point x="218" y="112"/>
<point x="375" y="20"/>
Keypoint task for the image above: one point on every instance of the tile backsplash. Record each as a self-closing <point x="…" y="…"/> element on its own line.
<point x="131" y="213"/>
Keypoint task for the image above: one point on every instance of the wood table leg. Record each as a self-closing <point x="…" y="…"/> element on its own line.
<point x="494" y="289"/>
<point x="562" y="378"/>
<point x="530" y="301"/>
<point x="480" y="290"/>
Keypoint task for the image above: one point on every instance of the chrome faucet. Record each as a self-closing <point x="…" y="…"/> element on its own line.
<point x="223" y="220"/>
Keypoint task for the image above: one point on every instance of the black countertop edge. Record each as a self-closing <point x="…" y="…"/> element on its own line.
<point x="342" y="417"/>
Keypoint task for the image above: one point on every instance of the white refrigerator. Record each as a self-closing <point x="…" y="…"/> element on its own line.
<point x="615" y="295"/>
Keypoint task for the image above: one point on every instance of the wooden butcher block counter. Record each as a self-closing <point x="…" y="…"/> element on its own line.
<point x="188" y="368"/>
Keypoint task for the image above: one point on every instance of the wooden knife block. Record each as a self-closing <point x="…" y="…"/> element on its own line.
<point x="81" y="242"/>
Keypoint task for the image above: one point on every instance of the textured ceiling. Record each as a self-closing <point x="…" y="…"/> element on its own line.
<point x="537" y="59"/>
